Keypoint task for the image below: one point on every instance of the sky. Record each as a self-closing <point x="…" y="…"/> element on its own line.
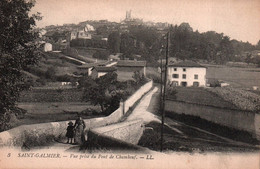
<point x="238" y="19"/>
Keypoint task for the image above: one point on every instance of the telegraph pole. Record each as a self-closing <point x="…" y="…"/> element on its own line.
<point x="164" y="87"/>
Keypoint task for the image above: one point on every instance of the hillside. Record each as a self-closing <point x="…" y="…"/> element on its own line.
<point x="52" y="67"/>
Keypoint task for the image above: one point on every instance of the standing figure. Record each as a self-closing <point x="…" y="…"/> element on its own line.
<point x="79" y="130"/>
<point x="70" y="132"/>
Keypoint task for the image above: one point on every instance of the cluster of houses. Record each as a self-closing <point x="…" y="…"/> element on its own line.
<point x="124" y="67"/>
<point x="183" y="73"/>
<point x="59" y="37"/>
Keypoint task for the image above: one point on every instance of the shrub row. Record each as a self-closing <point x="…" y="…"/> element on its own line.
<point x="51" y="95"/>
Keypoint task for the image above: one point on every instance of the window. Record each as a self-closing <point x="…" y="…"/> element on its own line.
<point x="184" y="84"/>
<point x="184" y="69"/>
<point x="175" y="76"/>
<point x="196" y="76"/>
<point x="184" y="76"/>
<point x="175" y="69"/>
<point x="196" y="84"/>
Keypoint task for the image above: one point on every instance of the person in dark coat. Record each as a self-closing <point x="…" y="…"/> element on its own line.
<point x="79" y="130"/>
<point x="70" y="132"/>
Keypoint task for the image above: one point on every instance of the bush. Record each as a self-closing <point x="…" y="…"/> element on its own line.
<point x="214" y="83"/>
<point x="51" y="95"/>
<point x="103" y="55"/>
<point x="36" y="139"/>
<point x="19" y="113"/>
<point x="155" y="77"/>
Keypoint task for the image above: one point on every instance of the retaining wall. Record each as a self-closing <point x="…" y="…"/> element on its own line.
<point x="237" y="119"/>
<point x="137" y="95"/>
<point x="39" y="133"/>
<point x="129" y="132"/>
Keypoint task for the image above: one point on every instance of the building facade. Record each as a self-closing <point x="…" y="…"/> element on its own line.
<point x="187" y="74"/>
<point x="101" y="71"/>
<point x="131" y="66"/>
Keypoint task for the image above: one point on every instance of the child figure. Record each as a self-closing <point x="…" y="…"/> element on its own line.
<point x="70" y="132"/>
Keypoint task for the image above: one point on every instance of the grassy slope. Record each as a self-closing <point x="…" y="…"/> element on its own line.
<point x="61" y="66"/>
<point x="201" y="96"/>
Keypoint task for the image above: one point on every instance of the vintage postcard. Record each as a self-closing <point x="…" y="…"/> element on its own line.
<point x="130" y="84"/>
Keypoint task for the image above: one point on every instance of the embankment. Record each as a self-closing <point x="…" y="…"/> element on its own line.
<point x="237" y="119"/>
<point x="123" y="135"/>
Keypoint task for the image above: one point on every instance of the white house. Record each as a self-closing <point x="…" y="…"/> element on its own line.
<point x="84" y="35"/>
<point x="89" y="28"/>
<point x="73" y="35"/>
<point x="187" y="73"/>
<point x="47" y="47"/>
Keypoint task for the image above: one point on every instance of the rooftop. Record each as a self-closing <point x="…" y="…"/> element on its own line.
<point x="104" y="69"/>
<point x="131" y="63"/>
<point x="185" y="64"/>
<point x="90" y="65"/>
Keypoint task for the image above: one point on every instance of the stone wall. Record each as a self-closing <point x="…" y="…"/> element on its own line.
<point x="37" y="133"/>
<point x="43" y="132"/>
<point x="237" y="119"/>
<point x="129" y="131"/>
<point x="137" y="95"/>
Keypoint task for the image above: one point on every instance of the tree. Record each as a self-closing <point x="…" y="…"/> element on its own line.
<point x="101" y="54"/>
<point x="248" y="58"/>
<point x="139" y="78"/>
<point x="17" y="52"/>
<point x="225" y="50"/>
<point x="258" y="45"/>
<point x="114" y="42"/>
<point x="127" y="44"/>
<point x="104" y="91"/>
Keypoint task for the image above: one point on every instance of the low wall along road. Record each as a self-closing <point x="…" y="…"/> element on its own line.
<point x="39" y="134"/>
<point x="129" y="132"/>
<point x="237" y="119"/>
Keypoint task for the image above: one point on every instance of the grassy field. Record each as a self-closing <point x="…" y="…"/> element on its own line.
<point x="201" y="96"/>
<point x="54" y="111"/>
<point x="236" y="76"/>
<point x="86" y="54"/>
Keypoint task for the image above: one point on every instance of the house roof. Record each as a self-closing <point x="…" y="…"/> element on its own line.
<point x="185" y="64"/>
<point x="104" y="69"/>
<point x="131" y="63"/>
<point x="115" y="56"/>
<point x="90" y="65"/>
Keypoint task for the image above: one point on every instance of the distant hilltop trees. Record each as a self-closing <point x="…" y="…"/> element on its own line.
<point x="133" y="36"/>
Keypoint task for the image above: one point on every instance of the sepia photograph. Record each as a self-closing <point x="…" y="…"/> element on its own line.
<point x="172" y="84"/>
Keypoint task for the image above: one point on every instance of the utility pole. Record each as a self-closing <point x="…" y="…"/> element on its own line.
<point x="161" y="84"/>
<point x="164" y="88"/>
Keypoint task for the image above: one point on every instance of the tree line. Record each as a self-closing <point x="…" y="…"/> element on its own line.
<point x="185" y="44"/>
